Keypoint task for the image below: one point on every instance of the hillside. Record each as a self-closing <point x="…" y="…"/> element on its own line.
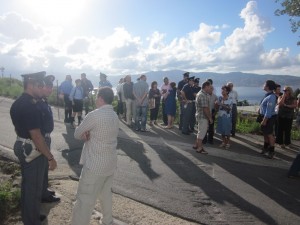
<point x="238" y="78"/>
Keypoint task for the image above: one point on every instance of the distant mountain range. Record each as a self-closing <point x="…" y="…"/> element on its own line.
<point x="239" y="79"/>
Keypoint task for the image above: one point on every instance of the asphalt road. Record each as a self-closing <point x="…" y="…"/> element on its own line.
<point x="160" y="168"/>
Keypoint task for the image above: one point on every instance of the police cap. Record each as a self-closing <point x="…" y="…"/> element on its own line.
<point x="34" y="78"/>
<point x="49" y="80"/>
<point x="191" y="78"/>
<point x="186" y="74"/>
<point x="197" y="80"/>
<point x="39" y="76"/>
<point x="103" y="75"/>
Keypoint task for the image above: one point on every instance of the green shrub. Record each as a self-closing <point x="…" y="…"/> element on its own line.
<point x="9" y="200"/>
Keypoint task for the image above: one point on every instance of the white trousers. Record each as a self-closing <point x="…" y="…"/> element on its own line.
<point x="90" y="187"/>
<point x="129" y="110"/>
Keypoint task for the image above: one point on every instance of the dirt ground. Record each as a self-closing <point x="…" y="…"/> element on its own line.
<point x="125" y="211"/>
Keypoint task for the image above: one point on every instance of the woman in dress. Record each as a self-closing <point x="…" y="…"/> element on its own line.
<point x="170" y="105"/>
<point x="154" y="102"/>
<point x="224" y="107"/>
<point x="287" y="104"/>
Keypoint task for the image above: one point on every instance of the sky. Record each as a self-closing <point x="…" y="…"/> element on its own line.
<point x="119" y="37"/>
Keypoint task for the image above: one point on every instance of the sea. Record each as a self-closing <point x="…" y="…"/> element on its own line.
<point x="253" y="95"/>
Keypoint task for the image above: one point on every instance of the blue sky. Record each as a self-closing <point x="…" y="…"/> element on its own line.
<point x="135" y="36"/>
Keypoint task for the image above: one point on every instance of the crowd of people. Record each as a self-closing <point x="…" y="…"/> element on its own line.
<point x="135" y="99"/>
<point x="198" y="105"/>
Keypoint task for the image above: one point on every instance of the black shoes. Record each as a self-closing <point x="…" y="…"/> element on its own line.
<point x="51" y="192"/>
<point x="42" y="218"/>
<point x="51" y="199"/>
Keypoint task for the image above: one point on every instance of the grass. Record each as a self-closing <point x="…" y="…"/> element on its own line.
<point x="247" y="124"/>
<point x="9" y="195"/>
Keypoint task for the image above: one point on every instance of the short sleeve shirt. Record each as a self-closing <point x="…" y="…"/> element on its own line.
<point x="188" y="91"/>
<point x="25" y="115"/>
<point x="202" y="101"/>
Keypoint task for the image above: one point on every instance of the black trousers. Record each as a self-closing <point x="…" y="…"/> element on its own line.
<point x="234" y="118"/>
<point x="154" y="113"/>
<point x="32" y="183"/>
<point x="284" y="131"/>
<point x="68" y="107"/>
<point x="187" y="116"/>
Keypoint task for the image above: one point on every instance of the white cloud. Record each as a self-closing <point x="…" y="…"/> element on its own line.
<point x="33" y="47"/>
<point x="13" y="26"/>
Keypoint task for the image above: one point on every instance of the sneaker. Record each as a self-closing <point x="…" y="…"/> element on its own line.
<point x="264" y="151"/>
<point x="155" y="123"/>
<point x="282" y="146"/>
<point x="222" y="145"/>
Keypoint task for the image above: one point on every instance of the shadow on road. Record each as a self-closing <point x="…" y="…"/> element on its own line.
<point x="73" y="153"/>
<point x="135" y="150"/>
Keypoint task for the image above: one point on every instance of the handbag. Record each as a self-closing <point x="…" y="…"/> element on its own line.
<point x="259" y="118"/>
<point x="151" y="103"/>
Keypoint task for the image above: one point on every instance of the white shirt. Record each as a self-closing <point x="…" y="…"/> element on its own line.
<point x="99" y="154"/>
<point x="234" y="96"/>
<point x="164" y="89"/>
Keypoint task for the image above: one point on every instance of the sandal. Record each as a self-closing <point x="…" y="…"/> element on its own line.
<point x="195" y="147"/>
<point x="202" y="151"/>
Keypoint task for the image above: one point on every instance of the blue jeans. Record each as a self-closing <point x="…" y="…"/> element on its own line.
<point x="141" y="117"/>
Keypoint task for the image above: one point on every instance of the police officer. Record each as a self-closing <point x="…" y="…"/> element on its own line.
<point x="196" y="89"/>
<point x="181" y="103"/>
<point x="30" y="147"/>
<point x="47" y="128"/>
<point x="187" y="94"/>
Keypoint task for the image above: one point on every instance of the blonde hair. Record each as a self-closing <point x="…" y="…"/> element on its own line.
<point x="289" y="89"/>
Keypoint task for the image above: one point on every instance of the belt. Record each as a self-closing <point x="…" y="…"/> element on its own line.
<point x="47" y="135"/>
<point x="24" y="140"/>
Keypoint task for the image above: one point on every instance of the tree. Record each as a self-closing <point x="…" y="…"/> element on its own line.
<point x="292" y="9"/>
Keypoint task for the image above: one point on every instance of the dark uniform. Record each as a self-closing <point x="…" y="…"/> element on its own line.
<point x="87" y="87"/>
<point x="47" y="128"/>
<point x="181" y="103"/>
<point x="188" y="106"/>
<point x="25" y="117"/>
<point x="196" y="89"/>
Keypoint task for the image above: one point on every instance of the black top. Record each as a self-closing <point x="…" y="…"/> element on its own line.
<point x="188" y="91"/>
<point x="87" y="87"/>
<point x="153" y="92"/>
<point x="181" y="84"/>
<point x="25" y="115"/>
<point x="196" y="89"/>
<point x="47" y="116"/>
<point x="128" y="91"/>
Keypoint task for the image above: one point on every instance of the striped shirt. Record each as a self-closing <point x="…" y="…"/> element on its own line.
<point x="99" y="154"/>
